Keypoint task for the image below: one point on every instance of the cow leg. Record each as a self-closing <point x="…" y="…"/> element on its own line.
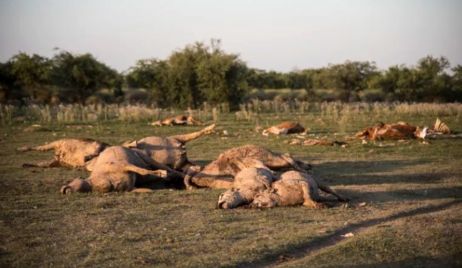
<point x="145" y="172"/>
<point x="310" y="199"/>
<point x="190" y="170"/>
<point x="77" y="185"/>
<point x="184" y="138"/>
<point x="141" y="190"/>
<point x="45" y="147"/>
<point x="188" y="182"/>
<point x="182" y="162"/>
<point x="43" y="164"/>
<point x="329" y="190"/>
<point x="148" y="160"/>
<point x="208" y="182"/>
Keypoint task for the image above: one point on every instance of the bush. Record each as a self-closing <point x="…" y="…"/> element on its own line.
<point x="372" y="95"/>
<point x="136" y="96"/>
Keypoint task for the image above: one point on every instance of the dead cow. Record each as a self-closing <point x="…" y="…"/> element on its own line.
<point x="398" y="131"/>
<point x="73" y="153"/>
<point x="312" y="142"/>
<point x="440" y="128"/>
<point x="117" y="169"/>
<point x="294" y="188"/>
<point x="284" y="128"/>
<point x="220" y="173"/>
<point x="253" y="178"/>
<point x="169" y="151"/>
<point x="178" y="120"/>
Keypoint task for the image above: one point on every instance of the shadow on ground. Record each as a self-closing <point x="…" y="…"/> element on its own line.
<point x="359" y="172"/>
<point x="402" y="194"/>
<point x="421" y="261"/>
<point x="304" y="249"/>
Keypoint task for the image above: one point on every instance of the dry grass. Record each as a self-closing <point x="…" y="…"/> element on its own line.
<point x="75" y="113"/>
<point x="411" y="218"/>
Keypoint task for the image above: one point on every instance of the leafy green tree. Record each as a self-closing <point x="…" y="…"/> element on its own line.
<point x="221" y="76"/>
<point x="397" y="82"/>
<point x="150" y="74"/>
<point x="300" y="79"/>
<point x="456" y="80"/>
<point x="263" y="79"/>
<point x="31" y="75"/>
<point x="407" y="85"/>
<point x="8" y="90"/>
<point x="431" y="79"/>
<point x="254" y="79"/>
<point x="82" y="75"/>
<point x="183" y="81"/>
<point x="351" y="77"/>
<point x="321" y="79"/>
<point x="201" y="73"/>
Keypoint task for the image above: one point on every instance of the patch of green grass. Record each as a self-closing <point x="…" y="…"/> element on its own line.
<point x="429" y="240"/>
<point x="40" y="227"/>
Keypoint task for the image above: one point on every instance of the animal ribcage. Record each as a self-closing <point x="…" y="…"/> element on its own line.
<point x="441" y="127"/>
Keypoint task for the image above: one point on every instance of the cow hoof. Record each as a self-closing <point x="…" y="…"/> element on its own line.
<point x="66" y="190"/>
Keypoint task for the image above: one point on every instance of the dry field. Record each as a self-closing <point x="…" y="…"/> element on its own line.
<point x="405" y="209"/>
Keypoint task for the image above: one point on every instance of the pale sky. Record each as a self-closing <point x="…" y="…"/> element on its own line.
<point x="268" y="34"/>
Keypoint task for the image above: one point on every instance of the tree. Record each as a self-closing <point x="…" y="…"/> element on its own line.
<point x="352" y="77"/>
<point x="431" y="79"/>
<point x="272" y="79"/>
<point x="183" y="83"/>
<point x="8" y="90"/>
<point x="82" y="75"/>
<point x="201" y="73"/>
<point x="397" y="82"/>
<point x="456" y="79"/>
<point x="151" y="74"/>
<point x="32" y="75"/>
<point x="299" y="79"/>
<point x="221" y="76"/>
<point x="254" y="78"/>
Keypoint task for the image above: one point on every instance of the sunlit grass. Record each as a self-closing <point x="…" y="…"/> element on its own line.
<point x="39" y="227"/>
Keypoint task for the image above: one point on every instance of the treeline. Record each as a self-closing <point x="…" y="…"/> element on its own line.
<point x="431" y="80"/>
<point x="64" y="78"/>
<point x="205" y="73"/>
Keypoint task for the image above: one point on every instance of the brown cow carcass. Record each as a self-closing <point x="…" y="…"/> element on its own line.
<point x="179" y="120"/>
<point x="439" y="128"/>
<point x="247" y="184"/>
<point x="284" y="128"/>
<point x="294" y="188"/>
<point x="73" y="153"/>
<point x="116" y="169"/>
<point x="220" y="173"/>
<point x="397" y="131"/>
<point x="169" y="151"/>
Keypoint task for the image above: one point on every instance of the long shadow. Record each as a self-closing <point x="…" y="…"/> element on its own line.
<point x="421" y="261"/>
<point x="358" y="172"/>
<point x="304" y="249"/>
<point x="353" y="167"/>
<point x="404" y="194"/>
<point x="365" y="179"/>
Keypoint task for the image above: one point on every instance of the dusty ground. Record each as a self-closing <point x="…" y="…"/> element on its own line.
<point x="405" y="209"/>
